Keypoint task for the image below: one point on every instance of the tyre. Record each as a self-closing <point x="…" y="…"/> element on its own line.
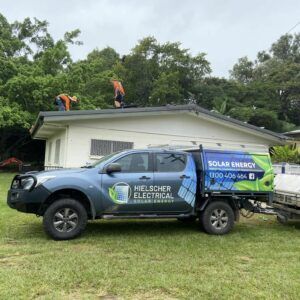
<point x="65" y="219"/>
<point x="282" y="219"/>
<point x="217" y="218"/>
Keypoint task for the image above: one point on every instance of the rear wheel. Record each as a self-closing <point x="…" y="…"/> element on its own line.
<point x="65" y="219"/>
<point x="217" y="218"/>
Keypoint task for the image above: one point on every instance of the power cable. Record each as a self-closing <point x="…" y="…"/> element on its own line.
<point x="293" y="27"/>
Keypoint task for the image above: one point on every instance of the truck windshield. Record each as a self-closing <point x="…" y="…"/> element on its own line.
<point x="102" y="159"/>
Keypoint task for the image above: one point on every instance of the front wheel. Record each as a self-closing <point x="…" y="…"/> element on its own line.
<point x="65" y="219"/>
<point x="217" y="218"/>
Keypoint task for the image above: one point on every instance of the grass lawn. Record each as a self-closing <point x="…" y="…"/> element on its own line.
<point x="137" y="259"/>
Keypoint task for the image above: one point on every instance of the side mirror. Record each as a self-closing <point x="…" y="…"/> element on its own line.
<point x="114" y="167"/>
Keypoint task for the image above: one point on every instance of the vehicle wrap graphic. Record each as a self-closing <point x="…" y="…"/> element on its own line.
<point x="123" y="193"/>
<point x="120" y="193"/>
<point x="187" y="191"/>
<point x="237" y="170"/>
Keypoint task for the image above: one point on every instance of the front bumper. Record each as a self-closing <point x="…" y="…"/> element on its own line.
<point x="27" y="201"/>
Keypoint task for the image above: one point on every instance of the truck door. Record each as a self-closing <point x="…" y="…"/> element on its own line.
<point x="127" y="190"/>
<point x="174" y="182"/>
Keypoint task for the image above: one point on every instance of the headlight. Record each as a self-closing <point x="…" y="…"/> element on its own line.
<point x="27" y="183"/>
<point x="15" y="184"/>
<point x="43" y="179"/>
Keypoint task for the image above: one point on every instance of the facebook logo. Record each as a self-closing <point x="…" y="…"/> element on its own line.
<point x="251" y="176"/>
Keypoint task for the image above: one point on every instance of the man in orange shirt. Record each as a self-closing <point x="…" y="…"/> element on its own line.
<point x="119" y="93"/>
<point x="63" y="101"/>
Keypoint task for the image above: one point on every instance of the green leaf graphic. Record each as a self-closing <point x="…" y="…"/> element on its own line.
<point x="262" y="161"/>
<point x="245" y="185"/>
<point x="264" y="185"/>
<point x="113" y="194"/>
<point x="269" y="171"/>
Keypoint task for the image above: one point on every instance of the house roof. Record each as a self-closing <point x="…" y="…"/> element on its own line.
<point x="104" y="113"/>
<point x="293" y="133"/>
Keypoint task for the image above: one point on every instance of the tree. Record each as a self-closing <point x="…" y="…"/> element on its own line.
<point x="243" y="70"/>
<point x="8" y="69"/>
<point x="107" y="56"/>
<point x="166" y="89"/>
<point x="220" y="105"/>
<point x="287" y="48"/>
<point x="287" y="153"/>
<point x="32" y="73"/>
<point x="150" y="62"/>
<point x="272" y="83"/>
<point x="12" y="119"/>
<point x="9" y="43"/>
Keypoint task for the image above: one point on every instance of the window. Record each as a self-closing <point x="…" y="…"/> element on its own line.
<point x="170" y="162"/>
<point x="49" y="151"/>
<point x="136" y="162"/>
<point x="105" y="147"/>
<point x="57" y="151"/>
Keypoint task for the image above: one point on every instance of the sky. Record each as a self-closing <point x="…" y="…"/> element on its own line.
<point x="224" y="29"/>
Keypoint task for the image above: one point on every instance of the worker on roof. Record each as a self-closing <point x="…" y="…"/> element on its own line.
<point x="63" y="101"/>
<point x="119" y="93"/>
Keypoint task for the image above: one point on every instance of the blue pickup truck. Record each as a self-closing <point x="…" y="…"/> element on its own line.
<point x="210" y="186"/>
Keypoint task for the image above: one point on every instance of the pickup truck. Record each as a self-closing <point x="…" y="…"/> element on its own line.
<point x="199" y="184"/>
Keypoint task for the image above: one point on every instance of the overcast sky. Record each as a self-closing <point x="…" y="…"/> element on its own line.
<point x="225" y="30"/>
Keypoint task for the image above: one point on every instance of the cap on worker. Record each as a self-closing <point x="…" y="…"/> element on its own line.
<point x="74" y="98"/>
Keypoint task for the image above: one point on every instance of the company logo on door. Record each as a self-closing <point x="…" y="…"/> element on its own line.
<point x="121" y="193"/>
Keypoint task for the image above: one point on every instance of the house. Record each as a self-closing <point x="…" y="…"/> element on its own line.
<point x="295" y="134"/>
<point x="74" y="138"/>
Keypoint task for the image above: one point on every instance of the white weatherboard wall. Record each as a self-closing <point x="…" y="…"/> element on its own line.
<point x="143" y="131"/>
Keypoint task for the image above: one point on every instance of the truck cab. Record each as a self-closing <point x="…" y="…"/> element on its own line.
<point x="206" y="185"/>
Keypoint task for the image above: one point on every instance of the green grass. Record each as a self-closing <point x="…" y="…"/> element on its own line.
<point x="162" y="259"/>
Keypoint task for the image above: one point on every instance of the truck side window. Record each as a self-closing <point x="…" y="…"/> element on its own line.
<point x="133" y="163"/>
<point x="170" y="162"/>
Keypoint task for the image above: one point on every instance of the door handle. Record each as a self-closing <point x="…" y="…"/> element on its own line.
<point x="184" y="176"/>
<point x="144" y="178"/>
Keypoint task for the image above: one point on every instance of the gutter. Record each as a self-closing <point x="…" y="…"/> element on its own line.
<point x="37" y="125"/>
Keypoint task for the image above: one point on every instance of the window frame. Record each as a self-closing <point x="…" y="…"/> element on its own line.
<point x="159" y="153"/>
<point x="49" y="157"/>
<point x="150" y="162"/>
<point x="57" y="151"/>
